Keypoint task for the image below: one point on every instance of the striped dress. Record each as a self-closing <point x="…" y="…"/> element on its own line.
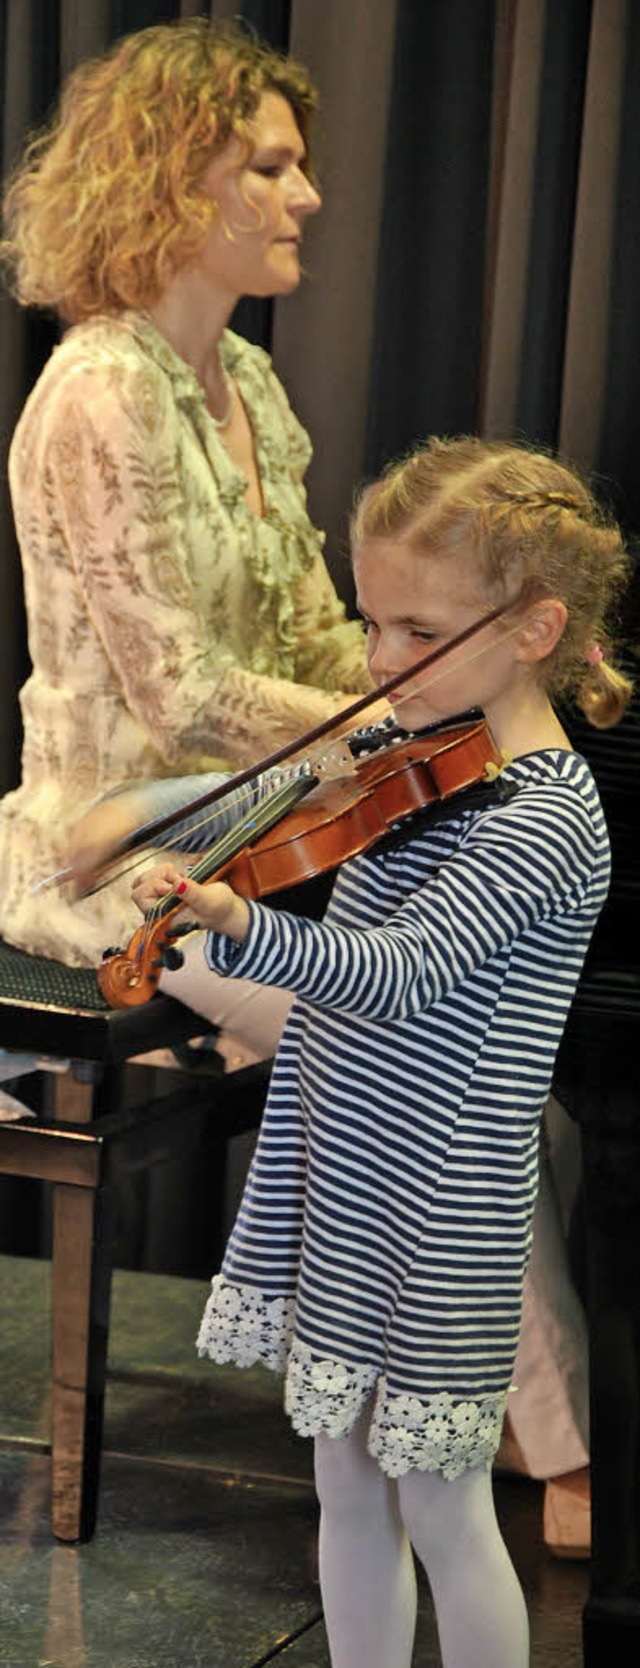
<point x="384" y="1231"/>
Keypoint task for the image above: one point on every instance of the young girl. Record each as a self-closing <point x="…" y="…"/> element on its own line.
<point x="379" y="1252"/>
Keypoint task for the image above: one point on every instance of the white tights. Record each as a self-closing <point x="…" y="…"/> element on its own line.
<point x="368" y="1524"/>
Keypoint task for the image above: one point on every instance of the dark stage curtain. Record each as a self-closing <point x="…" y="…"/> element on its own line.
<point x="620" y="426"/>
<point x="427" y="336"/>
<point x="475" y="266"/>
<point x="557" y="162"/>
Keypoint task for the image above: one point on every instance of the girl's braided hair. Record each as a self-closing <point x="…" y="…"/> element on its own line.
<point x="536" y="528"/>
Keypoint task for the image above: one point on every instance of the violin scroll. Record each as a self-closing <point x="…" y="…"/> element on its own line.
<point x="129" y="978"/>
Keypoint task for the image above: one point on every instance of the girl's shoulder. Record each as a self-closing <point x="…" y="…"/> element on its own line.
<point x="554" y="789"/>
<point x="551" y="768"/>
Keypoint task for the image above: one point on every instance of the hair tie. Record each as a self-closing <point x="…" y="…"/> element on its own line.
<point x="594" y="655"/>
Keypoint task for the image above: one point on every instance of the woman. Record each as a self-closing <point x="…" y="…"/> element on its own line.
<point x="180" y="612"/>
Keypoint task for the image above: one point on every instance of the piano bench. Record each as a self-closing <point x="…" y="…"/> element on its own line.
<point x="57" y="1015"/>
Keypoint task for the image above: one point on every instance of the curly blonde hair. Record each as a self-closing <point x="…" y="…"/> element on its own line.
<point x="531" y="520"/>
<point x="106" y="204"/>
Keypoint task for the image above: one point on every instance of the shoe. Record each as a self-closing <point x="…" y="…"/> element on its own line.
<point x="566" y="1518"/>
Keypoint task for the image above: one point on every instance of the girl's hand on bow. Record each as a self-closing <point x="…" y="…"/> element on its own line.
<point x="214" y="906"/>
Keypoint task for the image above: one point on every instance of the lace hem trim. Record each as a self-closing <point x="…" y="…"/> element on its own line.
<point x="325" y="1395"/>
<point x="242" y="1326"/>
<point x="437" y="1434"/>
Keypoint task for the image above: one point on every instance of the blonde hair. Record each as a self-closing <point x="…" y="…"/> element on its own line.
<point x="106" y="204"/>
<point x="527" y="518"/>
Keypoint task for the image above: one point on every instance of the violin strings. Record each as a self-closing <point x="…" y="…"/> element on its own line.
<point x="244" y="791"/>
<point x="291" y="748"/>
<point x="262" y="818"/>
<point x="218" y="850"/>
<point x="244" y="794"/>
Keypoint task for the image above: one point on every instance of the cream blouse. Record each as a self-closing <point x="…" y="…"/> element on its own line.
<point x="169" y="626"/>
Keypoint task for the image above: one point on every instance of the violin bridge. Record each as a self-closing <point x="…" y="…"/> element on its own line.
<point x="335" y="759"/>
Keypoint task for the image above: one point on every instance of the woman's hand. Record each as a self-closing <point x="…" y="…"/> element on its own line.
<point x="94" y="839"/>
<point x="215" y="906"/>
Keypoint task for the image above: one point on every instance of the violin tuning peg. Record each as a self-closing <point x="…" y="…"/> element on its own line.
<point x="172" y="958"/>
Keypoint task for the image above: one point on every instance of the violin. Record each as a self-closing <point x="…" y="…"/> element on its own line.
<point x="309" y="827"/>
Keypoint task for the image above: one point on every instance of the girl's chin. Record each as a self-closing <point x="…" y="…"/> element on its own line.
<point x="414" y="715"/>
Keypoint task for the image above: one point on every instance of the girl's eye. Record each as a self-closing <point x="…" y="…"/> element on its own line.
<point x="424" y="636"/>
<point x="269" y="171"/>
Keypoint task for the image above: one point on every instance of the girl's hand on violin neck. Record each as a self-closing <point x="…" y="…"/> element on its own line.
<point x="214" y="906"/>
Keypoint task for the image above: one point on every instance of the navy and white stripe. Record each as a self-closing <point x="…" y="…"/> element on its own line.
<point x="393" y="1184"/>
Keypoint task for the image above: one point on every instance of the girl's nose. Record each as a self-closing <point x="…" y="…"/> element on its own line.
<point x="379" y="658"/>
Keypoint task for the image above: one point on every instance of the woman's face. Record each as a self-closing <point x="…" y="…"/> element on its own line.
<point x="263" y="200"/>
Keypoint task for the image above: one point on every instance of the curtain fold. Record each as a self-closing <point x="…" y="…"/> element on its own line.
<point x="620" y="417"/>
<point x="518" y="66"/>
<point x="324" y="336"/>
<point x="589" y="298"/>
<point x="432" y="246"/>
<point x="553" y="208"/>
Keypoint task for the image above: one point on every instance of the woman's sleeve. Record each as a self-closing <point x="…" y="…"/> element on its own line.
<point x="330" y="649"/>
<point x="113" y="477"/>
<point x="197" y="831"/>
<point x="517" y="871"/>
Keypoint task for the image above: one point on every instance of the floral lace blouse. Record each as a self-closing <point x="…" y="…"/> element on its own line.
<point x="169" y="626"/>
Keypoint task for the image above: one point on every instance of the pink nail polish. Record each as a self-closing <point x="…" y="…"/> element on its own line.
<point x="181" y="888"/>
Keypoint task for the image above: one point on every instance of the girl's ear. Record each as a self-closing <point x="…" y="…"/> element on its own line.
<point x="541" y="630"/>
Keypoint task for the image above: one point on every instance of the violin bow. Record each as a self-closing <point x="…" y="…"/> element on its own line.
<point x="159" y="825"/>
<point x="148" y="833"/>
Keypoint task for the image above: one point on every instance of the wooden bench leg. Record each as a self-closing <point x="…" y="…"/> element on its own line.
<point x="81" y="1265"/>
